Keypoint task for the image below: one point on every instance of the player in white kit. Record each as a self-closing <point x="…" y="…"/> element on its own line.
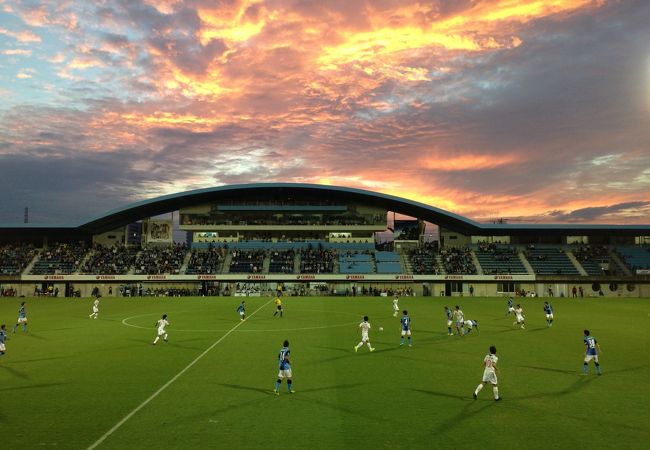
<point x="161" y="324"/>
<point x="460" y="320"/>
<point x="95" y="312"/>
<point x="365" y="328"/>
<point x="490" y="373"/>
<point x="519" y="314"/>
<point x="395" y="305"/>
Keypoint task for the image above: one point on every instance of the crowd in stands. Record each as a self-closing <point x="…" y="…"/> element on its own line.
<point x="160" y="260"/>
<point x="282" y="261"/>
<point x="458" y="261"/>
<point x="247" y="261"/>
<point x="423" y="259"/>
<point x="588" y="252"/>
<point x="317" y="260"/>
<point x="62" y="258"/>
<point x="499" y="252"/>
<point x="206" y="261"/>
<point x="14" y="258"/>
<point x="115" y="260"/>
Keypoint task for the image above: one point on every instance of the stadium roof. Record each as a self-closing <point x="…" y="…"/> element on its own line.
<point x="173" y="202"/>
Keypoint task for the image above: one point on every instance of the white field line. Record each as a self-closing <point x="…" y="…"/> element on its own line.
<point x="166" y="385"/>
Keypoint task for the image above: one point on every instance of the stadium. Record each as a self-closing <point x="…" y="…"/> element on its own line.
<point x="312" y="239"/>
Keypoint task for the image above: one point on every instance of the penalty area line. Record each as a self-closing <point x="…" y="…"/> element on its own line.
<point x="166" y="385"/>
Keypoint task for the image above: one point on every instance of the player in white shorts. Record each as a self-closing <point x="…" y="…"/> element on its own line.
<point x="365" y="328"/>
<point x="95" y="309"/>
<point x="285" y="369"/>
<point x="519" y="314"/>
<point x="395" y="305"/>
<point x="490" y="373"/>
<point x="460" y="320"/>
<point x="469" y="324"/>
<point x="161" y="324"/>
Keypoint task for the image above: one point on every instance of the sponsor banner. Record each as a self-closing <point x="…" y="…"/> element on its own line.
<point x="276" y="277"/>
<point x="643" y="271"/>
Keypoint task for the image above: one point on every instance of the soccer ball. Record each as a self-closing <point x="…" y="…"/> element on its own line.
<point x="381" y="328"/>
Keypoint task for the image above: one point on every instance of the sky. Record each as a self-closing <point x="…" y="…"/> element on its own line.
<point x="533" y="111"/>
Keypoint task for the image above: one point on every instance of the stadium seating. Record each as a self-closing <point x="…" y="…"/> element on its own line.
<point x="458" y="261"/>
<point x="550" y="260"/>
<point x="355" y="263"/>
<point x="116" y="260"/>
<point x="317" y="259"/>
<point x="635" y="256"/>
<point x="423" y="259"/>
<point x="207" y="261"/>
<point x="282" y="261"/>
<point x="14" y="258"/>
<point x="60" y="258"/>
<point x="160" y="260"/>
<point x="497" y="258"/>
<point x="247" y="261"/>
<point x="591" y="257"/>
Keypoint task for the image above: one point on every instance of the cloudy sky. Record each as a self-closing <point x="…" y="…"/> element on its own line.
<point x="535" y="110"/>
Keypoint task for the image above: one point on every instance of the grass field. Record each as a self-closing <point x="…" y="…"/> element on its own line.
<point x="70" y="380"/>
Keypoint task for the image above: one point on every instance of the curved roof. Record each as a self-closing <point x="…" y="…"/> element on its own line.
<point x="173" y="202"/>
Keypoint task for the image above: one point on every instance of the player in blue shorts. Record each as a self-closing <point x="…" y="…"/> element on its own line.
<point x="242" y="310"/>
<point x="285" y="369"/>
<point x="406" y="328"/>
<point x="3" y="339"/>
<point x="22" y="317"/>
<point x="511" y="308"/>
<point x="592" y="350"/>
<point x="548" y="310"/>
<point x="449" y="316"/>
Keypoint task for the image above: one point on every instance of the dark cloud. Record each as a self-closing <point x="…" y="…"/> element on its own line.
<point x="595" y="213"/>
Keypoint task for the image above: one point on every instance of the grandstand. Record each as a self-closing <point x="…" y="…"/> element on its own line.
<point x="309" y="238"/>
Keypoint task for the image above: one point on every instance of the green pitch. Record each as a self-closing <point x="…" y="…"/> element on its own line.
<point x="71" y="380"/>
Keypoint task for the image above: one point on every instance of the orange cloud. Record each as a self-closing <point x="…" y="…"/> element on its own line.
<point x="22" y="36"/>
<point x="469" y="161"/>
<point x="17" y="52"/>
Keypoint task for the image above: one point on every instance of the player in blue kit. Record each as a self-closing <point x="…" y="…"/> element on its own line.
<point x="548" y="310"/>
<point x="22" y="317"/>
<point x="242" y="311"/>
<point x="285" y="369"/>
<point x="511" y="308"/>
<point x="592" y="350"/>
<point x="406" y="328"/>
<point x="449" y="316"/>
<point x="3" y="339"/>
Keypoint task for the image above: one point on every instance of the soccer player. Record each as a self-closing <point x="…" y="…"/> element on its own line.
<point x="242" y="311"/>
<point x="278" y="303"/>
<point x="511" y="309"/>
<point x="592" y="350"/>
<point x="22" y="317"/>
<point x="395" y="305"/>
<point x="471" y="324"/>
<point x="449" y="316"/>
<point x="285" y="369"/>
<point x="3" y="339"/>
<point x="519" y="314"/>
<point x="161" y="324"/>
<point x="490" y="373"/>
<point x="365" y="328"/>
<point x="548" y="310"/>
<point x="95" y="312"/>
<point x="460" y="320"/>
<point x="406" y="328"/>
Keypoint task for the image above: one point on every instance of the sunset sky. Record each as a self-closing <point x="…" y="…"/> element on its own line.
<point x="530" y="110"/>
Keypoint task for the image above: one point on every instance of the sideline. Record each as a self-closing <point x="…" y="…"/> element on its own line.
<point x="166" y="385"/>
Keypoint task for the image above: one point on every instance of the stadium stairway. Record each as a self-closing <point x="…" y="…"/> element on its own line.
<point x="406" y="264"/>
<point x="89" y="254"/>
<point x="576" y="263"/>
<point x="525" y="262"/>
<point x="620" y="265"/>
<point x="440" y="264"/>
<point x="296" y="263"/>
<point x="225" y="268"/>
<point x="28" y="268"/>
<point x="477" y="264"/>
<point x="266" y="263"/>
<point x="186" y="262"/>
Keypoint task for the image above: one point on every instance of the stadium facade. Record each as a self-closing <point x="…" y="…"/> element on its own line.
<point x="303" y="238"/>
